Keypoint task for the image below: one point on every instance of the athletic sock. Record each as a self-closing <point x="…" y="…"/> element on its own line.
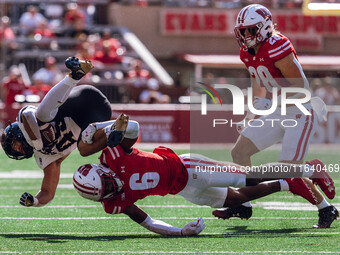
<point x="323" y="204"/>
<point x="284" y="185"/>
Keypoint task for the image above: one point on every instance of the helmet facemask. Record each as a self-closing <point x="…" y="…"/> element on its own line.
<point x="96" y="182"/>
<point x="111" y="185"/>
<point x="253" y="38"/>
<point x="14" y="143"/>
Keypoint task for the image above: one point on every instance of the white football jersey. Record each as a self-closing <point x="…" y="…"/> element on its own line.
<point x="67" y="133"/>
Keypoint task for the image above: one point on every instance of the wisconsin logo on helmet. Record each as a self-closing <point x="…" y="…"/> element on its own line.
<point x="264" y="13"/>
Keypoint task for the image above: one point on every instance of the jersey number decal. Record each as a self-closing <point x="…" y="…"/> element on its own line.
<point x="273" y="39"/>
<point x="67" y="138"/>
<point x="148" y="181"/>
<point x="262" y="74"/>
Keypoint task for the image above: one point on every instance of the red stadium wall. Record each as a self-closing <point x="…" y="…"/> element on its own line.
<point x="177" y="124"/>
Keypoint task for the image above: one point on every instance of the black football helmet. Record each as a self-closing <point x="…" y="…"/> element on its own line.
<point x="11" y="134"/>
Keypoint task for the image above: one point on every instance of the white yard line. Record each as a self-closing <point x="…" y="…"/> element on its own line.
<point x="29" y="174"/>
<point x="272" y="205"/>
<point x="60" y="186"/>
<point x="170" y="252"/>
<point x="159" y="218"/>
<point x="150" y="233"/>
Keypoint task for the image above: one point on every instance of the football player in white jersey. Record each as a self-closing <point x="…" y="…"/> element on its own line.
<point x="52" y="130"/>
<point x="273" y="64"/>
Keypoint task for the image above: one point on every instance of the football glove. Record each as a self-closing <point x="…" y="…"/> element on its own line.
<point x="118" y="130"/>
<point x="262" y="103"/>
<point x="26" y="199"/>
<point x="193" y="228"/>
<point x="87" y="134"/>
<point x="78" y="67"/>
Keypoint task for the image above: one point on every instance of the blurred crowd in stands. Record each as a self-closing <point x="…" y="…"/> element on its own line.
<point x="36" y="39"/>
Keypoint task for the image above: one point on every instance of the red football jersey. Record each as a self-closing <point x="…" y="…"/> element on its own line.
<point x="143" y="174"/>
<point x="261" y="65"/>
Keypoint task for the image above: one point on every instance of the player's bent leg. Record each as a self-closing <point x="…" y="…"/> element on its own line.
<point x="322" y="178"/>
<point x="327" y="212"/>
<point x="315" y="190"/>
<point x="243" y="150"/>
<point x="236" y="197"/>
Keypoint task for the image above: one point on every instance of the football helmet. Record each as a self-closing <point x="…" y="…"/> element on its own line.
<point x="14" y="143"/>
<point x="257" y="21"/>
<point x="96" y="182"/>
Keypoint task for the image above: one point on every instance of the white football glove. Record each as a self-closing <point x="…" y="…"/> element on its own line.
<point x="261" y="103"/>
<point x="193" y="228"/>
<point x="87" y="134"/>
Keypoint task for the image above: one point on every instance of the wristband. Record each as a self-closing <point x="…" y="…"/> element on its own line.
<point x="35" y="201"/>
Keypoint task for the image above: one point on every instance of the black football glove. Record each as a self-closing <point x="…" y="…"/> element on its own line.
<point x="26" y="199"/>
<point x="78" y="67"/>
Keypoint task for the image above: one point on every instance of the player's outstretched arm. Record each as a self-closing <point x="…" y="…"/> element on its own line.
<point x="162" y="228"/>
<point x="48" y="187"/>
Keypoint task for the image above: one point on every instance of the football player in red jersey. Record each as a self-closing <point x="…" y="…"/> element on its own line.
<point x="272" y="63"/>
<point x="126" y="174"/>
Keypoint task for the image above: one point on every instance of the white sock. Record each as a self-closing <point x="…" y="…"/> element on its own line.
<point x="48" y="108"/>
<point x="307" y="170"/>
<point x="247" y="204"/>
<point x="284" y="185"/>
<point x="323" y="204"/>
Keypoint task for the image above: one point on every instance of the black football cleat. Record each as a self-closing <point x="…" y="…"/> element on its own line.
<point x="326" y="217"/>
<point x="242" y="212"/>
<point x="79" y="68"/>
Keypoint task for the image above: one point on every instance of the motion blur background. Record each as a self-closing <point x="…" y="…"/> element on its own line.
<point x="148" y="53"/>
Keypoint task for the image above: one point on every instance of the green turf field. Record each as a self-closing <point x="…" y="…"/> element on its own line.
<point x="73" y="225"/>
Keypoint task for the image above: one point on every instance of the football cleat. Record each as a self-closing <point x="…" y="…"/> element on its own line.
<point x="326" y="216"/>
<point x="242" y="212"/>
<point x="79" y="68"/>
<point x="322" y="178"/>
<point x="117" y="131"/>
<point x="298" y="187"/>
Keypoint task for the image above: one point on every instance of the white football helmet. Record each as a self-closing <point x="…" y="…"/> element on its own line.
<point x="257" y="20"/>
<point x="96" y="182"/>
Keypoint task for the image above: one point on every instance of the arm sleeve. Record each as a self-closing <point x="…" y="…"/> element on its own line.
<point x="132" y="129"/>
<point x="160" y="227"/>
<point x="48" y="108"/>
